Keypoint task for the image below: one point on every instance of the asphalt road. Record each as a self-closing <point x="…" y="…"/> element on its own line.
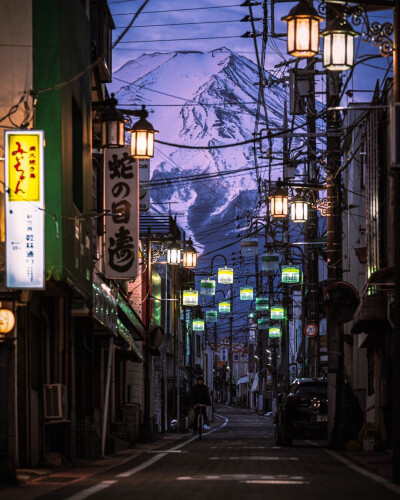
<point x="236" y="461"/>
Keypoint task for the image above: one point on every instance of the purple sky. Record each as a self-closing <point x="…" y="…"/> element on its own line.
<point x="218" y="18"/>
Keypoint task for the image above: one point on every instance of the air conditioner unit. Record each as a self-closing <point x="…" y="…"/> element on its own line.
<point x="55" y="401"/>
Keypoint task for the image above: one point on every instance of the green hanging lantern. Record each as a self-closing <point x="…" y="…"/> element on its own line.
<point x="246" y="293"/>
<point x="190" y="298"/>
<point x="198" y="325"/>
<point x="278" y="312"/>
<point x="274" y="332"/>
<point x="290" y="274"/>
<point x="263" y="323"/>
<point x="207" y="287"/>
<point x="224" y="307"/>
<point x="251" y="315"/>
<point x="262" y="304"/>
<point x="211" y="316"/>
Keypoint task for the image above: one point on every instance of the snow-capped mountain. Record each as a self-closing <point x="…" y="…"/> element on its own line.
<point x="201" y="99"/>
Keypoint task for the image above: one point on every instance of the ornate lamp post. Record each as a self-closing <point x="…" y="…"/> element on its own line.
<point x="112" y="125"/>
<point x="338" y="54"/>
<point x="279" y="201"/>
<point x="142" y="136"/>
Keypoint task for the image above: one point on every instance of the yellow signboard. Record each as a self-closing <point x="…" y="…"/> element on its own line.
<point x="23" y="166"/>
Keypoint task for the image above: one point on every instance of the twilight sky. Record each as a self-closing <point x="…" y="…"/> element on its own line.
<point x="204" y="25"/>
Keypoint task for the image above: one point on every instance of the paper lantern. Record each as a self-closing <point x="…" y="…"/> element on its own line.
<point x="7" y="320"/>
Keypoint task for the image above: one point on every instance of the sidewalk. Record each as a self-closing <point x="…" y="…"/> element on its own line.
<point x="37" y="482"/>
<point x="377" y="462"/>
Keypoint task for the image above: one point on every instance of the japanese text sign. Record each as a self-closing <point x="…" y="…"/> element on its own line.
<point x="121" y="187"/>
<point x="24" y="207"/>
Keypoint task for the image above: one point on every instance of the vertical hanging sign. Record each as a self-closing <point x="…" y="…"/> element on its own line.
<point x="121" y="193"/>
<point x="144" y="180"/>
<point x="24" y="208"/>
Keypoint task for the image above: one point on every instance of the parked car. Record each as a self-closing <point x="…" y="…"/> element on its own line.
<point x="302" y="412"/>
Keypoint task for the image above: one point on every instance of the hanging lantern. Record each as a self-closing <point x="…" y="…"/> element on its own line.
<point x="225" y="275"/>
<point x="279" y="201"/>
<point x="274" y="332"/>
<point x="112" y="125"/>
<point x="211" y="316"/>
<point x="189" y="255"/>
<point x="246" y="293"/>
<point x="262" y="304"/>
<point x="251" y="315"/>
<point x="338" y="53"/>
<point x="249" y="247"/>
<point x="278" y="312"/>
<point x="270" y="262"/>
<point x="290" y="274"/>
<point x="198" y="325"/>
<point x="224" y="307"/>
<point x="142" y="137"/>
<point x="263" y="323"/>
<point x="174" y="254"/>
<point x="207" y="287"/>
<point x="190" y="298"/>
<point x="7" y="320"/>
<point x="298" y="208"/>
<point x="303" y="30"/>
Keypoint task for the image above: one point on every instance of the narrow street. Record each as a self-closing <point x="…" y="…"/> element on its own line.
<point x="237" y="460"/>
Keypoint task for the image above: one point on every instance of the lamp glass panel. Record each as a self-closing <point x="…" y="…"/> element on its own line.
<point x="121" y="134"/>
<point x="189" y="259"/>
<point x="299" y="211"/>
<point x="303" y="42"/>
<point x="350" y="52"/>
<point x="173" y="256"/>
<point x="291" y="36"/>
<point x="141" y="143"/>
<point x="314" y="36"/>
<point x="327" y="50"/>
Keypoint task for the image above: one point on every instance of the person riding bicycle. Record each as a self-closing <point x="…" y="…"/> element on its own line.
<point x="199" y="395"/>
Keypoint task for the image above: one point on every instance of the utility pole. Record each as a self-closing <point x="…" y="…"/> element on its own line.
<point x="311" y="226"/>
<point x="147" y="357"/>
<point x="284" y="367"/>
<point x="396" y="238"/>
<point x="336" y="388"/>
<point x="230" y="347"/>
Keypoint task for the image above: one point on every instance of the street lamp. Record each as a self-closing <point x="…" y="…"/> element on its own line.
<point x="338" y="53"/>
<point x="303" y="30"/>
<point x="189" y="255"/>
<point x="299" y="208"/>
<point x="225" y="275"/>
<point x="174" y="254"/>
<point x="142" y="136"/>
<point x="112" y="125"/>
<point x="279" y="201"/>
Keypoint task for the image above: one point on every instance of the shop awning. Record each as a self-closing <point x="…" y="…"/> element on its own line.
<point x="371" y="315"/>
<point x="243" y="380"/>
<point x="254" y="387"/>
<point x="130" y="318"/>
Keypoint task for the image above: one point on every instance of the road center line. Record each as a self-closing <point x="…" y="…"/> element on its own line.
<point x="92" y="490"/>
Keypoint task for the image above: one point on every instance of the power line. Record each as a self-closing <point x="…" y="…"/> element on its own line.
<point x="176" y="10"/>
<point x="180" y="24"/>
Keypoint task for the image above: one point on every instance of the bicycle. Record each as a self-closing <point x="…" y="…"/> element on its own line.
<point x="200" y="418"/>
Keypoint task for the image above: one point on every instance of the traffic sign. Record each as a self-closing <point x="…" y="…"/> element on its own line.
<point x="311" y="330"/>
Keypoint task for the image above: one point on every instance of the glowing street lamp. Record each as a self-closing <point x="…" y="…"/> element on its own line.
<point x="225" y="275"/>
<point x="207" y="287"/>
<point x="142" y="136"/>
<point x="198" y="325"/>
<point x="338" y="53"/>
<point x="298" y="208"/>
<point x="224" y="307"/>
<point x="279" y="201"/>
<point x="174" y="254"/>
<point x="278" y="312"/>
<point x="189" y="255"/>
<point x="262" y="304"/>
<point x="246" y="293"/>
<point x="303" y="30"/>
<point x="274" y="332"/>
<point x="190" y="298"/>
